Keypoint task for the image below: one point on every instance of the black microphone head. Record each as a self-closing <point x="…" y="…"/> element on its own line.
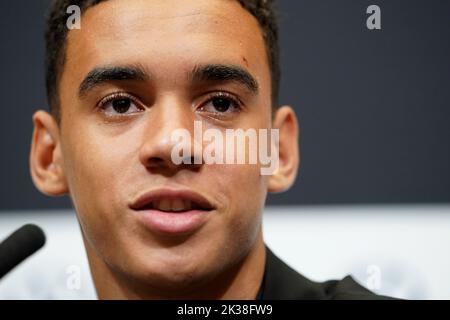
<point x="21" y="244"/>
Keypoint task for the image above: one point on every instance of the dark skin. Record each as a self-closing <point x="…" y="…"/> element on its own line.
<point x="105" y="159"/>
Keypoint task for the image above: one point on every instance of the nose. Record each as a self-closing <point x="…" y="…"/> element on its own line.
<point x="157" y="145"/>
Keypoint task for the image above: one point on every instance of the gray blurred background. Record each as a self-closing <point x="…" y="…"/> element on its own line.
<point x="373" y="105"/>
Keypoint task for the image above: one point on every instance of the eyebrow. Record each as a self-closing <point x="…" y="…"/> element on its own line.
<point x="223" y="73"/>
<point x="101" y="75"/>
<point x="200" y="73"/>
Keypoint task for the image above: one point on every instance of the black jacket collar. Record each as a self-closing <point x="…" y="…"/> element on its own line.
<point x="281" y="282"/>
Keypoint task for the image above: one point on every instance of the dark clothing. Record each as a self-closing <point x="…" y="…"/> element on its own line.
<point x="281" y="282"/>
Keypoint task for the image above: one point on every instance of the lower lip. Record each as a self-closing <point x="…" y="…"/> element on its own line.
<point x="175" y="223"/>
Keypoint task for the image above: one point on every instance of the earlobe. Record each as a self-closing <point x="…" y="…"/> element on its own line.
<point x="45" y="161"/>
<point x="289" y="155"/>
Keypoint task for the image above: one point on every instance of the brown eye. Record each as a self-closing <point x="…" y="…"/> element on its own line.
<point x="119" y="104"/>
<point x="222" y="103"/>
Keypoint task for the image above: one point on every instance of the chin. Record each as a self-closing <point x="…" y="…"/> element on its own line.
<point x="168" y="268"/>
<point x="172" y="279"/>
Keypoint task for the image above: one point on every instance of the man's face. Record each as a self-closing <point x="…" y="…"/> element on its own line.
<point x="116" y="136"/>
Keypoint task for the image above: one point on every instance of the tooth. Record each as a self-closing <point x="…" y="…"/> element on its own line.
<point x="164" y="205"/>
<point x="187" y="205"/>
<point x="155" y="204"/>
<point x="177" y="205"/>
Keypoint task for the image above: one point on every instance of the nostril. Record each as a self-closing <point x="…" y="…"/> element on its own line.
<point x="156" y="162"/>
<point x="196" y="160"/>
<point x="193" y="162"/>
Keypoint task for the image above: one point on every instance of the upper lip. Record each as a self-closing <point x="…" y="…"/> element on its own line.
<point x="146" y="199"/>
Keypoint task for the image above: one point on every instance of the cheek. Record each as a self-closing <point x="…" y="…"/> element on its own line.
<point x="245" y="191"/>
<point x="249" y="194"/>
<point x="95" y="168"/>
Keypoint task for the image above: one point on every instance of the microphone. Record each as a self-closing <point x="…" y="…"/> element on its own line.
<point x="21" y="244"/>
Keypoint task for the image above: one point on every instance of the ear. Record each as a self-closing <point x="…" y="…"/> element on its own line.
<point x="46" y="161"/>
<point x="289" y="156"/>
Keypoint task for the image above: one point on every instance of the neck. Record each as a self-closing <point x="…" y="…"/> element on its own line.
<point x="240" y="282"/>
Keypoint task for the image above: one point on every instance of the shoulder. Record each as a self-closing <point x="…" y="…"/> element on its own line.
<point x="348" y="289"/>
<point x="281" y="282"/>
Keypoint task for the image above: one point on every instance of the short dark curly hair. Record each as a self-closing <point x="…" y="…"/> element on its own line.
<point x="56" y="35"/>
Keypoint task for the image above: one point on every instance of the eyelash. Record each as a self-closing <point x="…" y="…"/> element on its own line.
<point x="235" y="101"/>
<point x="118" y="95"/>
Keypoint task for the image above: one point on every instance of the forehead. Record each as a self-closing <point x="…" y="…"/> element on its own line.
<point x="168" y="37"/>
